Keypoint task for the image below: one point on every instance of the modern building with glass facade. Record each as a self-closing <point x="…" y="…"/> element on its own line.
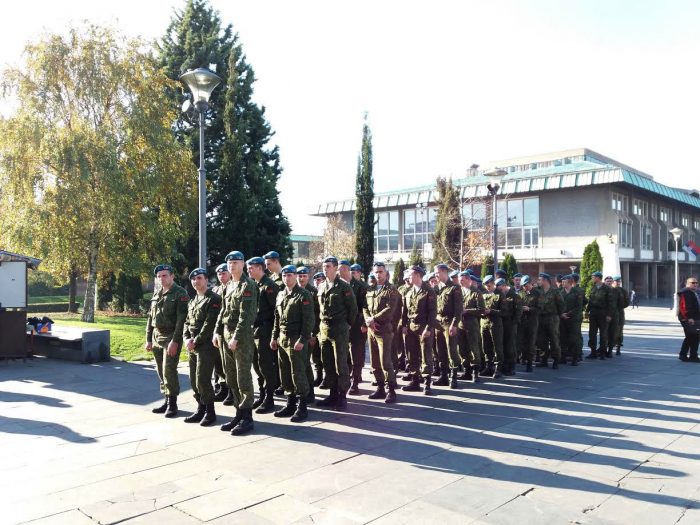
<point x="549" y="208"/>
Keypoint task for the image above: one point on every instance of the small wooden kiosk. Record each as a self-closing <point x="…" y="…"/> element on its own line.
<point x="13" y="303"/>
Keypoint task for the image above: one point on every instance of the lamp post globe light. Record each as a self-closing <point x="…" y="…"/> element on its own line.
<point x="202" y="83"/>
<point x="676" y="232"/>
<point x="495" y="176"/>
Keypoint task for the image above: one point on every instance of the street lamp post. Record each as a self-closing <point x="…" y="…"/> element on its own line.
<point x="676" y="232"/>
<point x="495" y="177"/>
<point x="202" y="83"/>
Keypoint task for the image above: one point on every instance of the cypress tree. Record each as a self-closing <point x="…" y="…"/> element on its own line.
<point x="397" y="278"/>
<point x="487" y="266"/>
<point x="364" y="208"/>
<point x="447" y="228"/>
<point x="592" y="261"/>
<point x="415" y="259"/>
<point x="510" y="265"/>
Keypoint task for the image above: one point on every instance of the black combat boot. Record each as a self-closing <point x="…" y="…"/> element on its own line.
<point x="574" y="361"/>
<point x="453" y="380"/>
<point x="467" y="375"/>
<point x="311" y="398"/>
<point x="268" y="404"/>
<point x="413" y="386"/>
<point x="443" y="380"/>
<point x="592" y="355"/>
<point x="609" y="354"/>
<point x="410" y="376"/>
<point x="227" y="427"/>
<point x="341" y="403"/>
<point x="497" y="371"/>
<point x="402" y="363"/>
<point x="261" y="398"/>
<point x="487" y="370"/>
<point x="379" y="393"/>
<point x="289" y="409"/>
<point x="528" y="367"/>
<point x="475" y="374"/>
<point x="601" y="353"/>
<point x="617" y="350"/>
<point x="330" y="401"/>
<point x="162" y="408"/>
<point x="391" y="394"/>
<point x="355" y="387"/>
<point x="229" y="398"/>
<point x="172" y="407"/>
<point x="209" y="415"/>
<point x="427" y="390"/>
<point x="301" y="414"/>
<point x="319" y="377"/>
<point x="542" y="363"/>
<point x="197" y="416"/>
<point x="245" y="424"/>
<point x="217" y="387"/>
<point x="555" y="363"/>
<point x="436" y="371"/>
<point x="324" y="384"/>
<point x="223" y="392"/>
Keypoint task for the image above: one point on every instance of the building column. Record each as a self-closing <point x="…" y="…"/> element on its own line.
<point x="645" y="280"/>
<point x="626" y="274"/>
<point x="540" y="268"/>
<point x="654" y="281"/>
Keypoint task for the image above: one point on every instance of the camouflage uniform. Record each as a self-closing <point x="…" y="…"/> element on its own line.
<point x="358" y="338"/>
<point x="527" y="330"/>
<point x="398" y="343"/>
<point x="264" y="361"/>
<point x="570" y="329"/>
<point x="381" y="305"/>
<point x="219" y="374"/>
<point x="166" y="319"/>
<point x="511" y="312"/>
<point x="449" y="308"/>
<point x="599" y="308"/>
<point x="235" y="321"/>
<point x="294" y="321"/>
<point x="548" y="332"/>
<point x="492" y="331"/>
<point x="418" y="313"/>
<point x="202" y="313"/>
<point x="470" y="329"/>
<point x="314" y="352"/>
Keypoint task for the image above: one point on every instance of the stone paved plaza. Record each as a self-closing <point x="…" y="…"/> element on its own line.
<point x="607" y="442"/>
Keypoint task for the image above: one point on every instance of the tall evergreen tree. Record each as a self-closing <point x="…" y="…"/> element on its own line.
<point x="592" y="261"/>
<point x="446" y="240"/>
<point x="415" y="258"/>
<point x="397" y="278"/>
<point x="487" y="266"/>
<point x="510" y="265"/>
<point x="243" y="207"/>
<point x="364" y="209"/>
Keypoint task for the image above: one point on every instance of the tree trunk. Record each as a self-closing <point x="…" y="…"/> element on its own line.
<point x="89" y="304"/>
<point x="72" y="290"/>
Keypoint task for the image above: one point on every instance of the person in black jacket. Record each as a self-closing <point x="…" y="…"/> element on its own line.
<point x="689" y="316"/>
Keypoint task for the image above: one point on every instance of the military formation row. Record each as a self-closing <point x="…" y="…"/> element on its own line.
<point x="297" y="336"/>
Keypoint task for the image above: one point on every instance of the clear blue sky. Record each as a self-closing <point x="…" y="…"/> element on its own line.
<point x="446" y="83"/>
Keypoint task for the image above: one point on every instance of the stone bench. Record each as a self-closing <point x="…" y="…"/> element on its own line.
<point x="73" y="343"/>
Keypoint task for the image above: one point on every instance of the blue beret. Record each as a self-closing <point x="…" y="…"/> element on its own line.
<point x="235" y="256"/>
<point x="418" y="269"/>
<point x="545" y="275"/>
<point x="271" y="255"/>
<point x="575" y="277"/>
<point x="290" y="268"/>
<point x="454" y="273"/>
<point x="441" y="266"/>
<point x="476" y="279"/>
<point x="525" y="280"/>
<point x="558" y="277"/>
<point x="357" y="268"/>
<point x="256" y="260"/>
<point x="465" y="273"/>
<point x="197" y="271"/>
<point x="517" y="275"/>
<point x="597" y="274"/>
<point x="343" y="261"/>
<point x="500" y="281"/>
<point x="379" y="264"/>
<point x="162" y="267"/>
<point x="470" y="271"/>
<point x="331" y="259"/>
<point x="302" y="270"/>
<point x="488" y="279"/>
<point x="223" y="267"/>
<point x="500" y="273"/>
<point x="617" y="278"/>
<point x="319" y="275"/>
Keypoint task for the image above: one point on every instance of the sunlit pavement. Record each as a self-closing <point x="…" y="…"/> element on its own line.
<point x="615" y="441"/>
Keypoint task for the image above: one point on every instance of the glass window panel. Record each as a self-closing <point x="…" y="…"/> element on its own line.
<point x="501" y="238"/>
<point x="478" y="216"/>
<point x="394" y="242"/>
<point x="515" y="212"/>
<point x="383" y="223"/>
<point x="515" y="237"/>
<point x="527" y="237"/>
<point x="408" y="242"/>
<point x="394" y="223"/>
<point x="383" y="244"/>
<point x="501" y="217"/>
<point x="534" y="241"/>
<point x="409" y="221"/>
<point x="432" y="219"/>
<point x="531" y="212"/>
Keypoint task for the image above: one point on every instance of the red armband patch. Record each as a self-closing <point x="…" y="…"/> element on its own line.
<point x="184" y="298"/>
<point x="348" y="294"/>
<point x="214" y="305"/>
<point x="270" y="290"/>
<point x="305" y="302"/>
<point x="247" y="293"/>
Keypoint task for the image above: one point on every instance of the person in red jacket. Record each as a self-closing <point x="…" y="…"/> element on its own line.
<point x="689" y="316"/>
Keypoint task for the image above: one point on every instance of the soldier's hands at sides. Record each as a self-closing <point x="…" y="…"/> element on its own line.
<point x="363" y="329"/>
<point x="190" y="345"/>
<point x="426" y="333"/>
<point x="172" y="348"/>
<point x="608" y="318"/>
<point x="312" y="341"/>
<point x="215" y="340"/>
<point x="565" y="316"/>
<point x="273" y="344"/>
<point x="233" y="345"/>
<point x="405" y="330"/>
<point x="148" y="347"/>
<point x="453" y="330"/>
<point x="298" y="347"/>
<point x="526" y="308"/>
<point x="487" y="311"/>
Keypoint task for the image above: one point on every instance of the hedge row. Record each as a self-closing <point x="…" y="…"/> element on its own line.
<point x="47" y="307"/>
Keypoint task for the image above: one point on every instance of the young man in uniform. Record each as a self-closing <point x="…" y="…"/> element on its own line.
<point x="492" y="329"/>
<point x="358" y="330"/>
<point x="469" y="328"/>
<point x="527" y="331"/>
<point x="313" y="353"/>
<point x="221" y="391"/>
<point x="599" y="310"/>
<point x="166" y="319"/>
<point x="449" y="310"/>
<point x="202" y="312"/>
<point x="570" y="321"/>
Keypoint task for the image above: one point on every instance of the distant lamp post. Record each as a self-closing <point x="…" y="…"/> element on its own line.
<point x="572" y="268"/>
<point x="202" y="83"/>
<point x="676" y="232"/>
<point x="495" y="177"/>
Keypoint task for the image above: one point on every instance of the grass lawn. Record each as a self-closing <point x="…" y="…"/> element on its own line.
<point x="53" y="299"/>
<point x="127" y="333"/>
